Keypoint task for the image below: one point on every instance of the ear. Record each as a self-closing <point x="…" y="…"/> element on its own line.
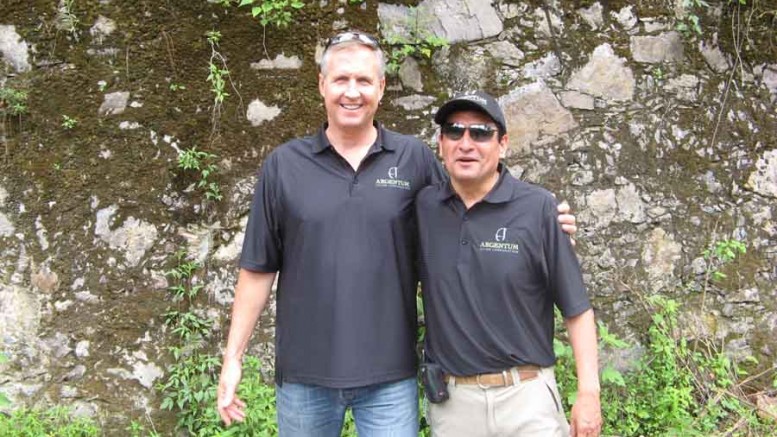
<point x="439" y="144"/>
<point x="321" y="84"/>
<point x="382" y="87"/>
<point x="503" y="143"/>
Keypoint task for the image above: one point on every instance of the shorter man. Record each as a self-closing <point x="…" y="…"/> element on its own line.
<point x="494" y="263"/>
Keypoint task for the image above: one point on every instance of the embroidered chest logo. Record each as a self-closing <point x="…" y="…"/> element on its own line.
<point x="393" y="180"/>
<point x="499" y="244"/>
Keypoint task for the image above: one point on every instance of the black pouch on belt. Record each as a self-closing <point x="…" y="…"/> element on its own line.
<point x="433" y="379"/>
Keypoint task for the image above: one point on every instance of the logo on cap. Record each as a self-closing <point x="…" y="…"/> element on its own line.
<point x="474" y="98"/>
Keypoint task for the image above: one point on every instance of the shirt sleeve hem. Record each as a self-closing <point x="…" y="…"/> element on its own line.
<point x="255" y="267"/>
<point x="576" y="310"/>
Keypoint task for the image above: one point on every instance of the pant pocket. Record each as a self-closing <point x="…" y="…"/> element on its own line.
<point x="553" y="395"/>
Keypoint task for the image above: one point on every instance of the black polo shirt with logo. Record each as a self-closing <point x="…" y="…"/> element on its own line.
<point x="491" y="275"/>
<point x="344" y="243"/>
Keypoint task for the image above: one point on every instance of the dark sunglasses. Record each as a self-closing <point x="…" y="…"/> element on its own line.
<point x="479" y="133"/>
<point x="362" y="38"/>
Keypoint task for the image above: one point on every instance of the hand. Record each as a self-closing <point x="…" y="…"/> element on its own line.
<point x="229" y="405"/>
<point x="586" y="416"/>
<point x="567" y="220"/>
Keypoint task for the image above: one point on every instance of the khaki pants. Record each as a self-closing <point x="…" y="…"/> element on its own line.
<point x="530" y="408"/>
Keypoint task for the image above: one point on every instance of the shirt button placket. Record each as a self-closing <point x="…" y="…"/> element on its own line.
<point x="354" y="183"/>
<point x="463" y="242"/>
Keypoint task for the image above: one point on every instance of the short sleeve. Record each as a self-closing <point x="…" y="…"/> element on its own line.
<point x="564" y="277"/>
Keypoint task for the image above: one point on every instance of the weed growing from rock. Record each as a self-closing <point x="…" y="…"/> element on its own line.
<point x="13" y="102"/>
<point x="67" y="20"/>
<point x="55" y="421"/>
<point x="68" y="122"/>
<point x="218" y="75"/>
<point x="722" y="253"/>
<point x="672" y="389"/>
<point x="188" y="386"/>
<point x="4" y="401"/>
<point x="202" y="162"/>
<point x="418" y="43"/>
<point x="278" y="13"/>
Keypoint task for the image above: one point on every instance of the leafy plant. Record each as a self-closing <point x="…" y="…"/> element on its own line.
<point x="136" y="429"/>
<point x="67" y="20"/>
<point x="691" y="20"/>
<point x="68" y="122"/>
<point x="674" y="389"/>
<point x="182" y="273"/>
<point x="658" y="73"/>
<point x="197" y="160"/>
<point x="721" y="253"/>
<point x="4" y="401"/>
<point x="276" y="12"/>
<point x="418" y="43"/>
<point x="218" y="75"/>
<point x="55" y="421"/>
<point x="13" y="102"/>
<point x="187" y="325"/>
<point x="190" y="388"/>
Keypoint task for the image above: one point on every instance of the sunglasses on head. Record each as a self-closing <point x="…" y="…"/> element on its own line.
<point x="359" y="37"/>
<point x="479" y="133"/>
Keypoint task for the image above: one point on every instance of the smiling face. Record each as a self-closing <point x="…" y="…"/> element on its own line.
<point x="352" y="86"/>
<point x="472" y="164"/>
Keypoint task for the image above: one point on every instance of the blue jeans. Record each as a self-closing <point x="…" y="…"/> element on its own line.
<point x="380" y="410"/>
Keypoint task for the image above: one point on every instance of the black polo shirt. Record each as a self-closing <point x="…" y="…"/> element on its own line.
<point x="491" y="275"/>
<point x="344" y="244"/>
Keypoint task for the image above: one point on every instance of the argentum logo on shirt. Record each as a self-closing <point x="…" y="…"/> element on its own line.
<point x="393" y="180"/>
<point x="499" y="244"/>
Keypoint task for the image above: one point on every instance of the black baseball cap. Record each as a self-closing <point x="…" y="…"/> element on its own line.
<point x="477" y="101"/>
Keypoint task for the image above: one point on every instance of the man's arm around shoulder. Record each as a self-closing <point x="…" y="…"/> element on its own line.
<point x="586" y="413"/>
<point x="251" y="294"/>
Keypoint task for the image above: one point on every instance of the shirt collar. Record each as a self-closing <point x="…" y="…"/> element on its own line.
<point x="322" y="142"/>
<point x="501" y="192"/>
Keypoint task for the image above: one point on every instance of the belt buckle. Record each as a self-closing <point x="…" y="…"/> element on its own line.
<point x="482" y="386"/>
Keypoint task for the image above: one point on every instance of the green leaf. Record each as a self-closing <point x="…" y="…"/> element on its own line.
<point x="613" y="376"/>
<point x="246" y="2"/>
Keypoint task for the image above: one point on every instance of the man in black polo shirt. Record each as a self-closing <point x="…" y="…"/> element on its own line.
<point x="333" y="213"/>
<point x="494" y="263"/>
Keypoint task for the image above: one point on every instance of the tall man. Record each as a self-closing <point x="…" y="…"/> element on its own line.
<point x="334" y="214"/>
<point x="494" y="263"/>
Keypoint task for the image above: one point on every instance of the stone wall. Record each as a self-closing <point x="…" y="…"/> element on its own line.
<point x="663" y="142"/>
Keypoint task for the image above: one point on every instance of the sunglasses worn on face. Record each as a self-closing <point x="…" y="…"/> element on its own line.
<point x="362" y="38"/>
<point x="479" y="133"/>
